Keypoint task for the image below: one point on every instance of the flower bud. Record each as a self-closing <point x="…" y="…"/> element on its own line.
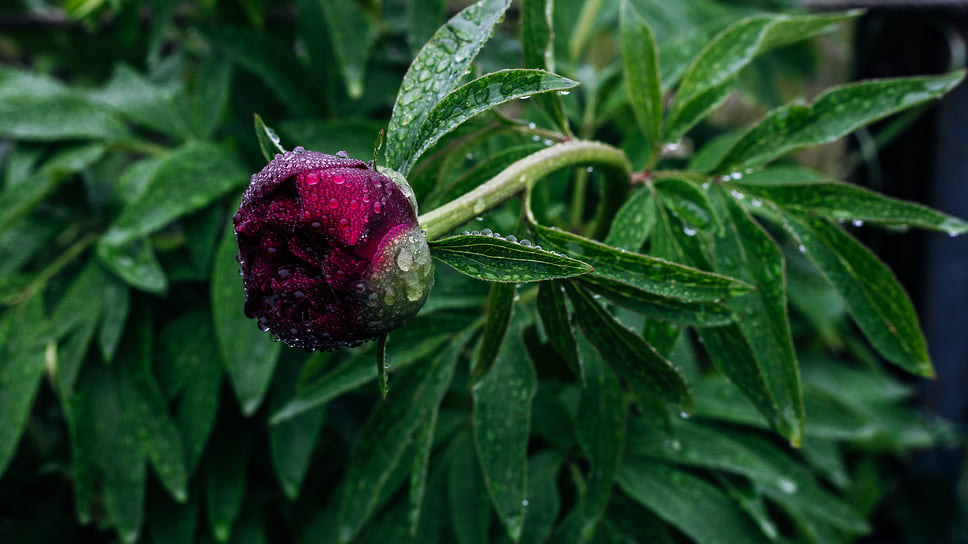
<point x="330" y="250"/>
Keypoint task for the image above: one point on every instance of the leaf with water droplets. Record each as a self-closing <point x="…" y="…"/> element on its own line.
<point x="640" y="56"/>
<point x="353" y="33"/>
<point x="544" y="500"/>
<point x="248" y="354"/>
<point x="502" y="422"/>
<point x="292" y="442"/>
<point x="269" y="142"/>
<point x="743" y="249"/>
<point x="629" y="355"/>
<point x="537" y="44"/>
<point x="188" y="179"/>
<point x="135" y="262"/>
<point x="557" y="325"/>
<point x="699" y="313"/>
<point x="470" y="505"/>
<point x="500" y="306"/>
<point x="836" y="113"/>
<point x="435" y="72"/>
<point x="871" y="293"/>
<point x="633" y="222"/>
<point x="22" y="332"/>
<point x="478" y="96"/>
<point x="491" y="258"/>
<point x="380" y="444"/>
<point x="846" y="202"/>
<point x="648" y="273"/>
<point x="712" y="73"/>
<point x="689" y="503"/>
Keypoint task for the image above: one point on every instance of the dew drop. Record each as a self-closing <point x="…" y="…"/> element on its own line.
<point x="689" y="231"/>
<point x="487" y="232"/>
<point x="377" y="207"/>
<point x="333" y="203"/>
<point x="526" y="243"/>
<point x="756" y="203"/>
<point x="311" y="178"/>
<point x="532" y="126"/>
<point x="354" y="204"/>
<point x="857" y="223"/>
<point x="787" y="486"/>
<point x="737" y="195"/>
<point x="684" y="414"/>
<point x="511" y="238"/>
<point x="338" y="180"/>
<point x="801" y="248"/>
<point x="342" y="154"/>
<point x="344" y="223"/>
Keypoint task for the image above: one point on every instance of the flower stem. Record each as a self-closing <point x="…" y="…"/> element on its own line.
<point x="525" y="172"/>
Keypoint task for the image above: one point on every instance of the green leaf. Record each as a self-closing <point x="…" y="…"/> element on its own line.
<point x="688" y="312"/>
<point x="269" y="142"/>
<point x="117" y="305"/>
<point x="537" y="44"/>
<point x="381" y="365"/>
<point x="386" y="434"/>
<point x="845" y="202"/>
<point x="640" y="56"/>
<point x="21" y="368"/>
<point x="435" y="72"/>
<point x="600" y="426"/>
<point x="77" y="312"/>
<point x="502" y="421"/>
<point x="648" y="273"/>
<point x="291" y="443"/>
<point x="424" y="442"/>
<point x="248" y="354"/>
<point x="353" y="33"/>
<point x="544" y="500"/>
<point x="423" y="19"/>
<point x="744" y="250"/>
<point x="695" y="507"/>
<point x="199" y="403"/>
<point x="478" y="96"/>
<point x="633" y="222"/>
<point x="681" y="120"/>
<point x="871" y="293"/>
<point x="732" y="50"/>
<point x="144" y="403"/>
<point x="210" y="95"/>
<point x="188" y="179"/>
<point x="492" y="258"/>
<point x="500" y="306"/>
<point x="421" y="337"/>
<point x="686" y="201"/>
<point x="635" y="361"/>
<point x="470" y="506"/>
<point x="836" y="113"/>
<point x="59" y="116"/>
<point x="557" y="325"/>
<point x="146" y="103"/>
<point x="225" y="480"/>
<point x="135" y="263"/>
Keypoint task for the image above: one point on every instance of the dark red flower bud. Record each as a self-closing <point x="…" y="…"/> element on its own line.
<point x="330" y="249"/>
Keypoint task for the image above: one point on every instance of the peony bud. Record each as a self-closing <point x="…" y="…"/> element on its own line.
<point x="330" y="249"/>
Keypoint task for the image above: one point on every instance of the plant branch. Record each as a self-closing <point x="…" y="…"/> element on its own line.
<point x="524" y="173"/>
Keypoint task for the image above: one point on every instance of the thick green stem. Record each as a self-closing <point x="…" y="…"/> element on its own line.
<point x="525" y="172"/>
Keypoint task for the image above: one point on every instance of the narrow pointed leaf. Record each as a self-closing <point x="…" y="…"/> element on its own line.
<point x="435" y="72"/>
<point x="743" y="249"/>
<point x="502" y="423"/>
<point x="249" y="355"/>
<point x="636" y="362"/>
<point x="135" y="263"/>
<point x="537" y="43"/>
<point x="733" y="49"/>
<point x="292" y="442"/>
<point x="269" y="142"/>
<point x="871" y="293"/>
<point x="688" y="312"/>
<point x="695" y="507"/>
<point x="544" y="500"/>
<point x="188" y="179"/>
<point x="21" y="368"/>
<point x="495" y="259"/>
<point x="845" y="202"/>
<point x="500" y="306"/>
<point x="634" y="221"/>
<point x="834" y="114"/>
<point x="424" y="444"/>
<point x="225" y="481"/>
<point x="353" y="33"/>
<point x="640" y="56"/>
<point x="557" y="325"/>
<point x="117" y="307"/>
<point x="478" y="96"/>
<point x="648" y="273"/>
<point x="681" y="120"/>
<point x="470" y="505"/>
<point x="416" y="391"/>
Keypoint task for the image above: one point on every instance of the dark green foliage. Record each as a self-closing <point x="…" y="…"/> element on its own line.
<point x="692" y="353"/>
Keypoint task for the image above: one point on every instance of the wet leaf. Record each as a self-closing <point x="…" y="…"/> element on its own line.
<point x="500" y="306"/>
<point x="537" y="44"/>
<point x="640" y="56"/>
<point x="698" y="313"/>
<point x="871" y="293"/>
<point x="435" y="72"/>
<point x="135" y="263"/>
<point x="648" y="273"/>
<point x="269" y="142"/>
<point x="502" y="422"/>
<point x="557" y="325"/>
<point x="353" y="33"/>
<point x="249" y="355"/>
<point x="470" y="506"/>
<point x="23" y="348"/>
<point x="634" y="221"/>
<point x="292" y="442"/>
<point x="495" y="259"/>
<point x="423" y="444"/>
<point x="415" y="393"/>
<point x="837" y="112"/>
<point x="61" y="115"/>
<point x="226" y="480"/>
<point x="544" y="500"/>
<point x="630" y="357"/>
<point x="845" y="202"/>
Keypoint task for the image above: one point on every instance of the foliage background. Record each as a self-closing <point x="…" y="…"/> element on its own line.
<point x="102" y="262"/>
